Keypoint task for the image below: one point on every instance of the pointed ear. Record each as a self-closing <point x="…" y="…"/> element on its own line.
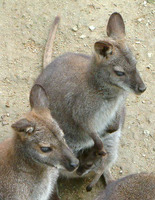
<point x="116" y="27"/>
<point x="23" y="125"/>
<point x="38" y="97"/>
<point x="103" y="48"/>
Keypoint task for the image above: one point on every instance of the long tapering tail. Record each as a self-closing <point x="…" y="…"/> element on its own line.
<point x="49" y="45"/>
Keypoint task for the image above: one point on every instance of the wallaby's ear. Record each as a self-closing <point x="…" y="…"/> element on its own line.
<point x="116" y="27"/>
<point x="38" y="97"/>
<point x="23" y="125"/>
<point x="103" y="48"/>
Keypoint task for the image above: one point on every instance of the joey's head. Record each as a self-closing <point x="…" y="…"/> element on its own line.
<point x="42" y="140"/>
<point x="114" y="62"/>
<point x="87" y="161"/>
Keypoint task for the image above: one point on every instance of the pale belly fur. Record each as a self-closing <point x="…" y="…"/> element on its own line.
<point x="46" y="187"/>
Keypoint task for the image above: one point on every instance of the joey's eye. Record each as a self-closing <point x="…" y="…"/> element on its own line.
<point x="89" y="164"/>
<point x="46" y="149"/>
<point x="119" y="73"/>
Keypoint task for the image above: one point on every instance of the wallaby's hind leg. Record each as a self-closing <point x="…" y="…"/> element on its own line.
<point x="99" y="173"/>
<point x="111" y="143"/>
<point x="55" y="193"/>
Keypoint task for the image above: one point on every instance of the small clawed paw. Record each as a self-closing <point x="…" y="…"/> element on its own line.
<point x="88" y="188"/>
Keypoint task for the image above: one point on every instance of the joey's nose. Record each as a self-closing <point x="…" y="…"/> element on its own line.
<point x="74" y="165"/>
<point x="142" y="88"/>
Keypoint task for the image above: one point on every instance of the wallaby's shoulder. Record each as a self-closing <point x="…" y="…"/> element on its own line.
<point x="5" y="151"/>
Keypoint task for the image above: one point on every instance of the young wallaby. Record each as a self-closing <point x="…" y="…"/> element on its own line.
<point x="30" y="161"/>
<point x="85" y="92"/>
<point x="133" y="187"/>
<point x="89" y="160"/>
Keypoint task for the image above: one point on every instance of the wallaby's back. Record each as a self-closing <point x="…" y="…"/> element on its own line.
<point x="133" y="187"/>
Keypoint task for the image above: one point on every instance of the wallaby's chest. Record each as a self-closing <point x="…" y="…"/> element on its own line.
<point x="105" y="114"/>
<point x="43" y="189"/>
<point x="100" y="119"/>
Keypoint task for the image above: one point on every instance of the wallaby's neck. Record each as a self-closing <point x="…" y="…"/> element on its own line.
<point x="97" y="82"/>
<point x="21" y="158"/>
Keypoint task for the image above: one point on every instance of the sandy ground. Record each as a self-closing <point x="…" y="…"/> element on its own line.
<point x="24" y="26"/>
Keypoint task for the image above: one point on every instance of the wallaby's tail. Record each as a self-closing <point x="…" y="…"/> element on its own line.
<point x="49" y="45"/>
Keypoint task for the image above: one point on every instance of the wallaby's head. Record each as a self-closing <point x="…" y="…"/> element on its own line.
<point x="114" y="61"/>
<point x="87" y="160"/>
<point x="42" y="139"/>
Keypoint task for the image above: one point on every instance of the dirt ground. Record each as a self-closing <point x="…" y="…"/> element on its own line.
<point x="24" y="27"/>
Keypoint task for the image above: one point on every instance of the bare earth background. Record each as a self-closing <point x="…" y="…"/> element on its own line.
<point x="24" y="27"/>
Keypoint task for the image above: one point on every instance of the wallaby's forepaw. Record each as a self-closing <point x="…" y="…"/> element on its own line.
<point x="108" y="178"/>
<point x="88" y="188"/>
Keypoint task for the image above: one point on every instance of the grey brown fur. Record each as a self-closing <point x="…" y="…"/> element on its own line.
<point x="27" y="172"/>
<point x="85" y="92"/>
<point x="133" y="187"/>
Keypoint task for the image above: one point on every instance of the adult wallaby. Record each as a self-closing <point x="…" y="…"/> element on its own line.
<point x="133" y="187"/>
<point x="30" y="161"/>
<point x="86" y="92"/>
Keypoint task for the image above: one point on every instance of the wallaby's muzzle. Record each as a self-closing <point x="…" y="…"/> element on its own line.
<point x="69" y="161"/>
<point x="140" y="87"/>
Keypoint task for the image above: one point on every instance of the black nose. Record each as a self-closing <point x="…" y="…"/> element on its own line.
<point x="74" y="165"/>
<point x="142" y="89"/>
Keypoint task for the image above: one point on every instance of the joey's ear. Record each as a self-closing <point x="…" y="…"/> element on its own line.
<point x="103" y="48"/>
<point x="116" y="27"/>
<point x="38" y="97"/>
<point x="23" y="125"/>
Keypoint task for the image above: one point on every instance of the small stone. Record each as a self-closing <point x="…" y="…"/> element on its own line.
<point x="74" y="28"/>
<point x="7" y="104"/>
<point x="121" y="172"/>
<point x="83" y="36"/>
<point x="143" y="102"/>
<point x="4" y="123"/>
<point x="138" y="42"/>
<point x="140" y="19"/>
<point x="143" y="155"/>
<point x="7" y="114"/>
<point x="2" y="116"/>
<point x="146" y="132"/>
<point x="149" y="55"/>
<point x="144" y="3"/>
<point x="92" y="28"/>
<point x="148" y="66"/>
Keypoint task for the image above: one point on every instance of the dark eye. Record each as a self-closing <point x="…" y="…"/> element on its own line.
<point x="119" y="73"/>
<point x="46" y="149"/>
<point x="88" y="165"/>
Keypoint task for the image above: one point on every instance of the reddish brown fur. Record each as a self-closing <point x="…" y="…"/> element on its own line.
<point x="27" y="172"/>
